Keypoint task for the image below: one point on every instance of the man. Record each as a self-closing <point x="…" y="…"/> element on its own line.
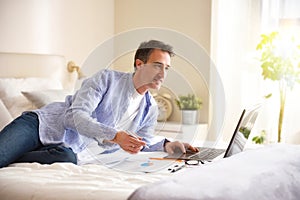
<point x="112" y="108"/>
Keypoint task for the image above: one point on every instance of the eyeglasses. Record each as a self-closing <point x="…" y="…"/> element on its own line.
<point x="176" y="168"/>
<point x="194" y="162"/>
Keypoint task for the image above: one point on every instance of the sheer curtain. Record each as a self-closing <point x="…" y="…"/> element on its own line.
<point x="236" y="29"/>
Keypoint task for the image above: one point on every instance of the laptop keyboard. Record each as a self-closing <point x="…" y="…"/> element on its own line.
<point x="207" y="153"/>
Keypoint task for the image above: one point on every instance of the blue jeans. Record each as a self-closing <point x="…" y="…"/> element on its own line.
<point x="20" y="142"/>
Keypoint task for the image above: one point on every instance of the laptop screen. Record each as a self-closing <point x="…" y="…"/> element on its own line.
<point x="242" y="131"/>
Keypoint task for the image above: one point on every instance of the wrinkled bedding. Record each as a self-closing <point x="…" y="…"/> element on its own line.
<point x="68" y="181"/>
<point x="271" y="172"/>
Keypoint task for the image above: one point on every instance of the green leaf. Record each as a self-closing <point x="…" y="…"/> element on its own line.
<point x="260" y="138"/>
<point x="189" y="102"/>
<point x="268" y="96"/>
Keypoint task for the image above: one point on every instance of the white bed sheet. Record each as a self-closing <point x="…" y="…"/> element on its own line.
<point x="61" y="181"/>
<point x="272" y="172"/>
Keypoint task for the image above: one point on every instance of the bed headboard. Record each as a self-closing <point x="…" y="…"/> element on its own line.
<point x="25" y="79"/>
<point x="23" y="65"/>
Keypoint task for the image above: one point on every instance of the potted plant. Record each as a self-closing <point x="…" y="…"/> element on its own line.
<point x="189" y="106"/>
<point x="280" y="62"/>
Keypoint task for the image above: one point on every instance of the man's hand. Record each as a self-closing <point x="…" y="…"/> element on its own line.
<point x="129" y="143"/>
<point x="172" y="147"/>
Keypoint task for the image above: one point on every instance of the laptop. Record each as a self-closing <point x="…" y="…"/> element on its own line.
<point x="236" y="144"/>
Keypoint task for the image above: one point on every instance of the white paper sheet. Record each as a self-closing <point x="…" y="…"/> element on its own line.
<point x="147" y="162"/>
<point x="123" y="161"/>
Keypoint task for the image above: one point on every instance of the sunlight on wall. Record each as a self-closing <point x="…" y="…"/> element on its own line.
<point x="25" y="26"/>
<point x="69" y="28"/>
<point x="42" y="25"/>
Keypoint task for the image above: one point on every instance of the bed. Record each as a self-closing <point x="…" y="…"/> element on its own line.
<point x="29" y="81"/>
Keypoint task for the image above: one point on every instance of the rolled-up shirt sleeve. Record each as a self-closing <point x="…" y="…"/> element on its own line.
<point x="79" y="116"/>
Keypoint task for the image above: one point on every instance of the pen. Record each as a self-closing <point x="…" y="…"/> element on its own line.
<point x="135" y="136"/>
<point x="159" y="159"/>
<point x="132" y="134"/>
<point x="177" y="169"/>
<point x="154" y="158"/>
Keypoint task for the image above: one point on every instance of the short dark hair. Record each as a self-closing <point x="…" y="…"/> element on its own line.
<point x="145" y="49"/>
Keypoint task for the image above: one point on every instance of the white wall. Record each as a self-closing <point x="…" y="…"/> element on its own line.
<point x="71" y="28"/>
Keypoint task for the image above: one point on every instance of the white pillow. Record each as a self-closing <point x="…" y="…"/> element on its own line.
<point x="10" y="92"/>
<point x="43" y="97"/>
<point x="5" y="117"/>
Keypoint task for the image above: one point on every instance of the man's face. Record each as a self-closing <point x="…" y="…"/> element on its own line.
<point x="153" y="72"/>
